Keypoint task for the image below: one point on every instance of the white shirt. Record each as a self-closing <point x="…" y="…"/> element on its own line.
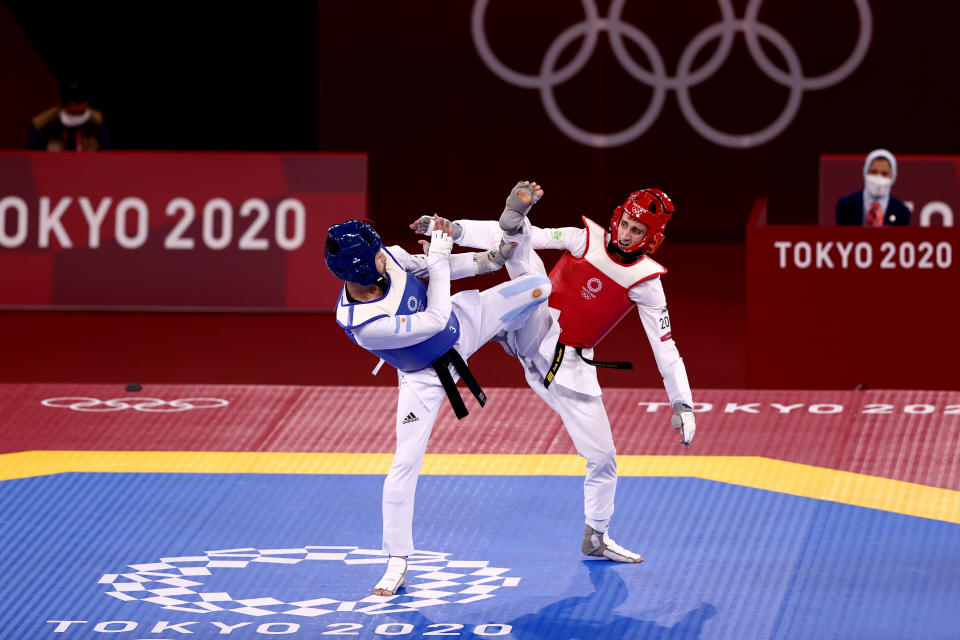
<point x="648" y="296"/>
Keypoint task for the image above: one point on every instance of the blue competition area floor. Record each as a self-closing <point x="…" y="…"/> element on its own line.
<point x="257" y="555"/>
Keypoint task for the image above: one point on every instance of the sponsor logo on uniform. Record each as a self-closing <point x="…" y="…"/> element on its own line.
<point x="411" y="417"/>
<point x="590" y="290"/>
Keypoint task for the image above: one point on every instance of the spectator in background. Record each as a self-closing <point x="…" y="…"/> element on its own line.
<point x="874" y="206"/>
<point x="70" y="126"/>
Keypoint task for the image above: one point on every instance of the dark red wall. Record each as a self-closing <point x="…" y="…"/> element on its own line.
<point x="28" y="87"/>
<point x="404" y="81"/>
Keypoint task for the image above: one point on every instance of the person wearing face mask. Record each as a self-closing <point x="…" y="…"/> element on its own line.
<point x="874" y="206"/>
<point x="70" y="126"/>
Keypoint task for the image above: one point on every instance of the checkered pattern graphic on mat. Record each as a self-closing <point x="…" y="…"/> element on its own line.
<point x="433" y="578"/>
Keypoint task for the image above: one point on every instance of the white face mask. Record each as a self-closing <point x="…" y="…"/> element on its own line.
<point x="878" y="186"/>
<point x="74" y="121"/>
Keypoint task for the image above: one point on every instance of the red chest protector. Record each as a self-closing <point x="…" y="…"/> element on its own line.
<point x="591" y="291"/>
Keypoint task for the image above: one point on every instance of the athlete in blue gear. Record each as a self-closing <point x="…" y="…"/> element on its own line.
<point x="427" y="334"/>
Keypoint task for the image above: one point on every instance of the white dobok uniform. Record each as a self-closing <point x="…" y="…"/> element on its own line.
<point x="575" y="393"/>
<point x="399" y="320"/>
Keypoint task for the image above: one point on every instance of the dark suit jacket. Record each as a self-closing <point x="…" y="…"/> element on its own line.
<point x="850" y="211"/>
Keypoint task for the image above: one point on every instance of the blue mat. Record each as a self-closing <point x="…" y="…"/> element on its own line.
<point x="235" y="554"/>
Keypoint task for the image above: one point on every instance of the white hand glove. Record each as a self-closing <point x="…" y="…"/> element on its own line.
<point x="441" y="244"/>
<point x="686" y="426"/>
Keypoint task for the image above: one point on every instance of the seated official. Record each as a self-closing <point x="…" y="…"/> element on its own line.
<point x="72" y="125"/>
<point x="874" y="206"/>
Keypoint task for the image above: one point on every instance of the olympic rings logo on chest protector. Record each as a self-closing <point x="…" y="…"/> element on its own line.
<point x="147" y="405"/>
<point x="686" y="77"/>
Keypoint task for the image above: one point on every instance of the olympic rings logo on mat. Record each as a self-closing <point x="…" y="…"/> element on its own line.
<point x="148" y="405"/>
<point x="686" y="77"/>
<point x="432" y="578"/>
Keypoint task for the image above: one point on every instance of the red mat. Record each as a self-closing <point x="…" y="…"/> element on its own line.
<point x="905" y="435"/>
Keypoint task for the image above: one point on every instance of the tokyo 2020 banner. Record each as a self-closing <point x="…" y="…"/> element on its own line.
<point x="173" y="230"/>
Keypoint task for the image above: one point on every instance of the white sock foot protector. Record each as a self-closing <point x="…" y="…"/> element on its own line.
<point x="395" y="575"/>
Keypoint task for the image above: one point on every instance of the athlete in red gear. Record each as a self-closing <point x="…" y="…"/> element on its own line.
<point x="601" y="276"/>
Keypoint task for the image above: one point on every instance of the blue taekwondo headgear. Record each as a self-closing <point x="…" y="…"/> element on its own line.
<point x="351" y="252"/>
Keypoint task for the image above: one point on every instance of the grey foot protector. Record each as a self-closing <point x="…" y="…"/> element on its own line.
<point x="513" y="214"/>
<point x="600" y="544"/>
<point x="589" y="547"/>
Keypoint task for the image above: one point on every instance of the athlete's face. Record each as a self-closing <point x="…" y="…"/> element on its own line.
<point x="630" y="232"/>
<point x="382" y="262"/>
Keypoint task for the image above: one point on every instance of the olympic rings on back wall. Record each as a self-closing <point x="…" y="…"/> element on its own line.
<point x="657" y="79"/>
<point x="147" y="405"/>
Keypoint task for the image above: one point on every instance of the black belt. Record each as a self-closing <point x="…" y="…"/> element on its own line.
<point x="558" y="359"/>
<point x="450" y="387"/>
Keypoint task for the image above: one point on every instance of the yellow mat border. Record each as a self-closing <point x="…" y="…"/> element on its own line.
<point x="749" y="471"/>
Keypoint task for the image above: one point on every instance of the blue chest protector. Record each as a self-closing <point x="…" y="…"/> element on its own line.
<point x="406" y="294"/>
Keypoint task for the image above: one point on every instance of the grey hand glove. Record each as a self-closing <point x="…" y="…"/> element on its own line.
<point x="488" y="261"/>
<point x="685" y="424"/>
<point x="424" y="226"/>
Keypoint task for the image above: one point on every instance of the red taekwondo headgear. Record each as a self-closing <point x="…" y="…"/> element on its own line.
<point x="653" y="208"/>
